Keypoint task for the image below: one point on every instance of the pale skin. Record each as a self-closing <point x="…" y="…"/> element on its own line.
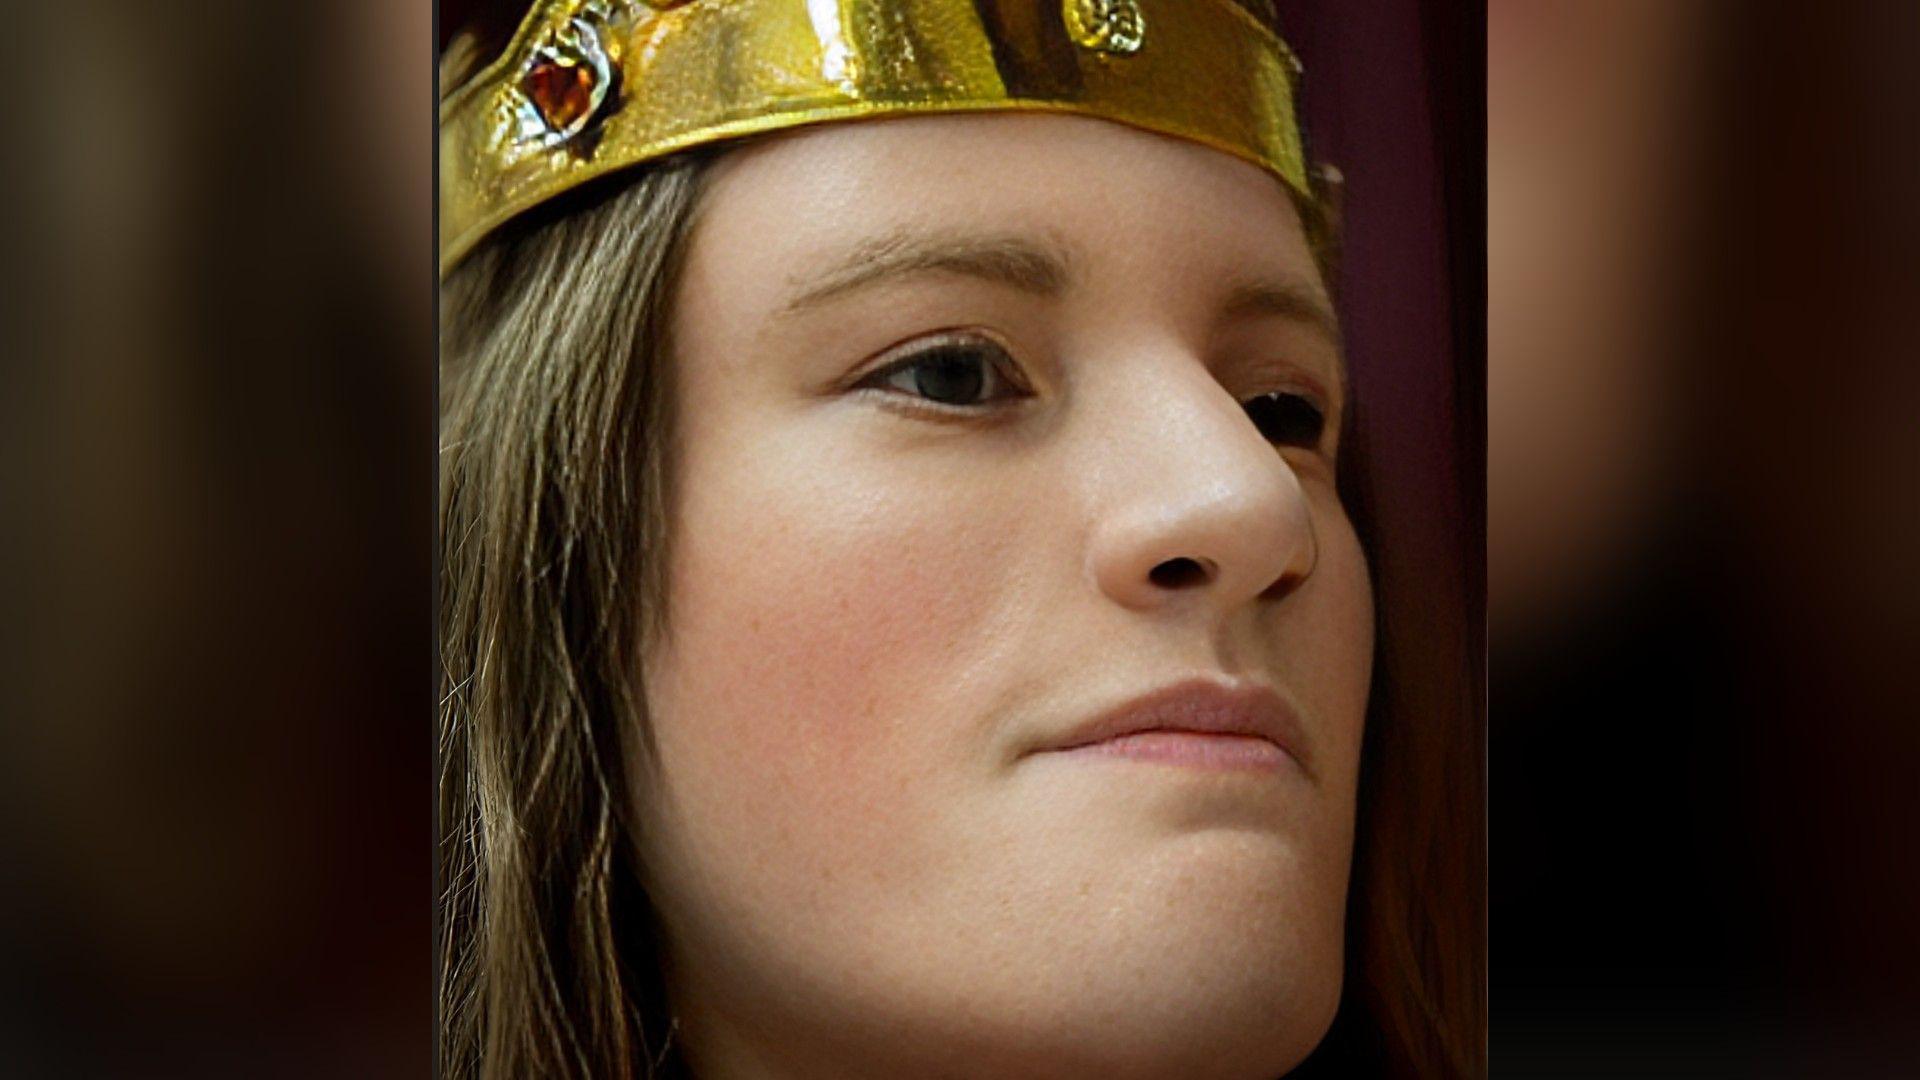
<point x="893" y="577"/>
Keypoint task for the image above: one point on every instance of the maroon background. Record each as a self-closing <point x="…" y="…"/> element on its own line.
<point x="1394" y="97"/>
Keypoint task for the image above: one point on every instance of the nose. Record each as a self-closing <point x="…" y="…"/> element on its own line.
<point x="1198" y="506"/>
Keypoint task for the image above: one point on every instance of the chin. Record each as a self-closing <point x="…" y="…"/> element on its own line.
<point x="1184" y="999"/>
<point x="1196" y="1036"/>
<point x="1204" y="954"/>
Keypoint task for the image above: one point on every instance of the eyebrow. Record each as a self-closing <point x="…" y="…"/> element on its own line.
<point x="1296" y="301"/>
<point x="1007" y="260"/>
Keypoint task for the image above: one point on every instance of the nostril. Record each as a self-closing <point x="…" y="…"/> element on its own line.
<point x="1179" y="573"/>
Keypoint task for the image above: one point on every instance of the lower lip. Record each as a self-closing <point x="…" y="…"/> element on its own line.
<point x="1200" y="750"/>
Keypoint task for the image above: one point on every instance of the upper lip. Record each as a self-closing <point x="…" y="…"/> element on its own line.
<point x="1202" y="705"/>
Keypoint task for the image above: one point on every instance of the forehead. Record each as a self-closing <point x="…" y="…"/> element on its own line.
<point x="1115" y="198"/>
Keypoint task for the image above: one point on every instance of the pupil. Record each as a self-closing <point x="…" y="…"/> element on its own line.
<point x="952" y="378"/>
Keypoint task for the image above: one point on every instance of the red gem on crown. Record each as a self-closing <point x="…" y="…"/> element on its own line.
<point x="562" y="92"/>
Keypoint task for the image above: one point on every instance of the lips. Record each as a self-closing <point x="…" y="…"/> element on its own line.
<point x="1200" y="722"/>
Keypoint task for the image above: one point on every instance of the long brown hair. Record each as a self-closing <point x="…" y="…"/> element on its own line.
<point x="553" y="449"/>
<point x="555" y="439"/>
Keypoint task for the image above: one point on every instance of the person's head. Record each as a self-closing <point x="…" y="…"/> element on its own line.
<point x="959" y="465"/>
<point x="807" y="507"/>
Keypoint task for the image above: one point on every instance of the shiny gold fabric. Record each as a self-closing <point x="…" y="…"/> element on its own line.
<point x="587" y="87"/>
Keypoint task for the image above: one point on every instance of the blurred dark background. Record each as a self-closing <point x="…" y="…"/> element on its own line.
<point x="1703" y="598"/>
<point x="1701" y="227"/>
<point x="215" y="788"/>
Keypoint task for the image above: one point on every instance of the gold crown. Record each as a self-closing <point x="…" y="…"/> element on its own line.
<point x="587" y="87"/>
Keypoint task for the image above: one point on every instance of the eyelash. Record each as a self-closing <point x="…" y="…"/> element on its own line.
<point x="1282" y="417"/>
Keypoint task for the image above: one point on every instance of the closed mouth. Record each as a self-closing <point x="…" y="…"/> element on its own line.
<point x="1200" y="722"/>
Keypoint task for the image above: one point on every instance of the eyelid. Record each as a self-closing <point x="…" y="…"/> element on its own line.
<point x="1312" y="394"/>
<point x="1270" y="369"/>
<point x="1302" y="377"/>
<point x="933" y="339"/>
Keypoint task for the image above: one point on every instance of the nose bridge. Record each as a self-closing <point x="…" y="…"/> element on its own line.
<point x="1196" y="500"/>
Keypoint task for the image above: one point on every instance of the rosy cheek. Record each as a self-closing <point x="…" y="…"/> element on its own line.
<point x="811" y="676"/>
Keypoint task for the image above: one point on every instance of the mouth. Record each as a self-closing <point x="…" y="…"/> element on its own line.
<point x="1198" y="723"/>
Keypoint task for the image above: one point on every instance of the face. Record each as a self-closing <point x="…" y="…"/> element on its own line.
<point x="1008" y="718"/>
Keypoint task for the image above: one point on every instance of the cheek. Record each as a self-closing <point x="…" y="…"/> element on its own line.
<point x="1326" y="643"/>
<point x="1349" y="577"/>
<point x="819" y="618"/>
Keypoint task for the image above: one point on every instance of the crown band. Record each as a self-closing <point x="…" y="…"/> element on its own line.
<point x="587" y="87"/>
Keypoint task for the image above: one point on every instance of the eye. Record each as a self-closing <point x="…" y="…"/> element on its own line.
<point x="957" y="372"/>
<point x="1287" y="419"/>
